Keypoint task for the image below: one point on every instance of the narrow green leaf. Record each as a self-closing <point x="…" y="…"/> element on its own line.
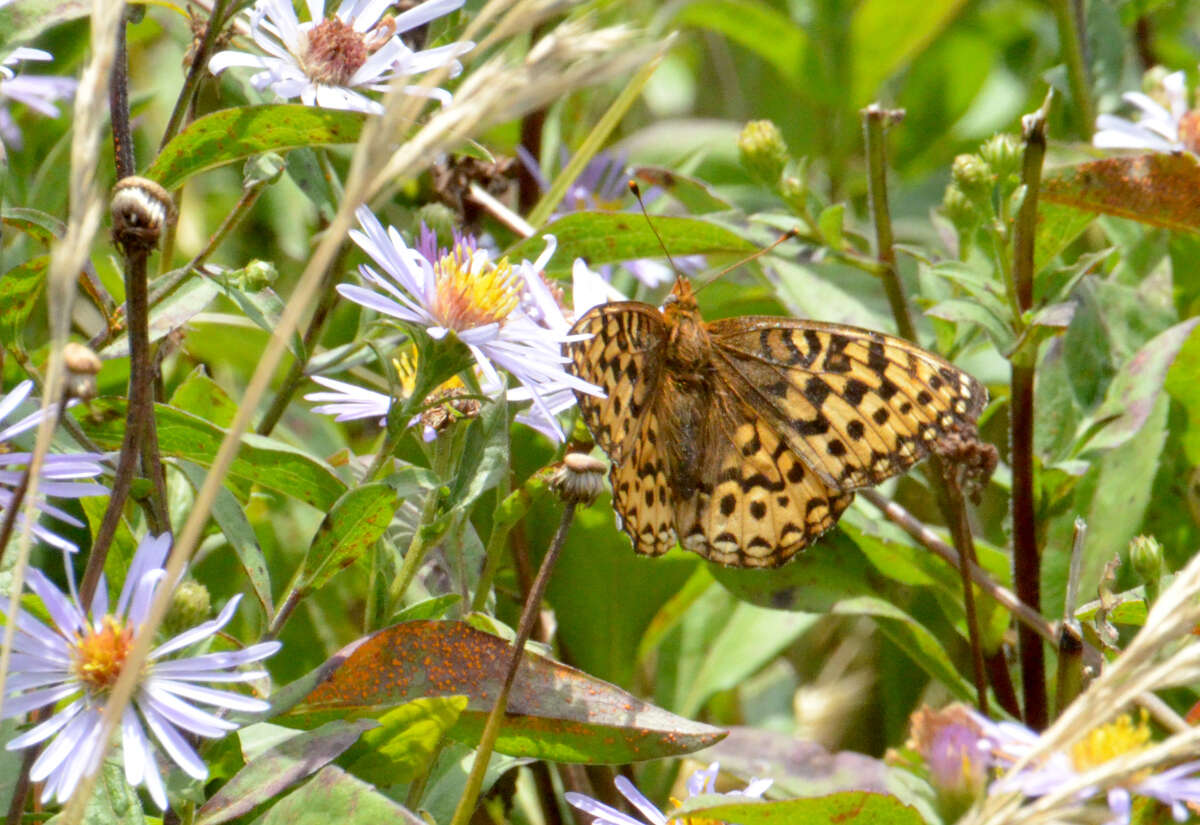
<point x="434" y="608"/>
<point x="335" y="796"/>
<point x="485" y="455"/>
<point x="961" y="310"/>
<point x="845" y="808"/>
<point x="279" y="768"/>
<point x="173" y="312"/>
<point x="405" y="742"/>
<point x="830" y="223"/>
<point x="39" y="225"/>
<point x="349" y="529"/>
<point x="234" y="525"/>
<point x="555" y="712"/>
<point x="696" y="195"/>
<point x="235" y="134"/>
<point x="264" y="461"/>
<point x="610" y="237"/>
<point x="1156" y="189"/>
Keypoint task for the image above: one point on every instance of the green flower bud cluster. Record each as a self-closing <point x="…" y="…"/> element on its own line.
<point x="190" y="606"/>
<point x="763" y="151"/>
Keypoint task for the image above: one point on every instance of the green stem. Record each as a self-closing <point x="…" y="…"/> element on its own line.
<point x="491" y="730"/>
<point x="1068" y="17"/>
<point x="875" y="118"/>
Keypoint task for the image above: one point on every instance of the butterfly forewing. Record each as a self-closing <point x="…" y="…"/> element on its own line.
<point x="624" y="357"/>
<point x="857" y="406"/>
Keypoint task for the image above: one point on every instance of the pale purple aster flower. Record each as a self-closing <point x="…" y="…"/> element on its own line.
<point x="324" y="60"/>
<point x="947" y="740"/>
<point x="478" y="300"/>
<point x="1158" y="128"/>
<point x="38" y="92"/>
<point x="700" y="782"/>
<point x="73" y="665"/>
<point x="603" y="186"/>
<point x="1009" y="742"/>
<point x="61" y="475"/>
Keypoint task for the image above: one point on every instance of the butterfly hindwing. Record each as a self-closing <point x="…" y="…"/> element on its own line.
<point x="760" y="505"/>
<point x="857" y="406"/>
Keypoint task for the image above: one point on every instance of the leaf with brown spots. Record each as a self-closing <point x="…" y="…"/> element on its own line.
<point x="744" y="439"/>
<point x="1157" y="189"/>
<point x="554" y="711"/>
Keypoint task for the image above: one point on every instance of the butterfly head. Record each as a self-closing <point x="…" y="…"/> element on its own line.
<point x="688" y="342"/>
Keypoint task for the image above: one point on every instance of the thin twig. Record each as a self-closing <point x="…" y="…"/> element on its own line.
<point x="1026" y="554"/>
<point x="212" y="30"/>
<point x="950" y="498"/>
<point x="533" y="603"/>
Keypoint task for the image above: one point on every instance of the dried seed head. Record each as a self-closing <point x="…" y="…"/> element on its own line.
<point x="82" y="365"/>
<point x="140" y="209"/>
<point x="579" y="479"/>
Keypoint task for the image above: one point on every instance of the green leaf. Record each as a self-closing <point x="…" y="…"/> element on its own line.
<point x="886" y="35"/>
<point x="349" y="529"/>
<point x="1057" y="227"/>
<point x="335" y="796"/>
<point x="745" y="22"/>
<point x="405" y="742"/>
<point x="234" y="525"/>
<point x="33" y="222"/>
<point x="695" y="195"/>
<point x="484" y="456"/>
<point x="1181" y="385"/>
<point x="231" y="135"/>
<point x="971" y="311"/>
<point x="262" y="306"/>
<point x="279" y="768"/>
<point x="830" y="224"/>
<point x="263" y="461"/>
<point x="433" y="608"/>
<point x="555" y="712"/>
<point x="22" y="21"/>
<point x="1135" y="388"/>
<point x="113" y="801"/>
<point x="845" y="808"/>
<point x="611" y="237"/>
<point x="20" y="289"/>
<point x="1156" y="189"/>
<point x="171" y="313"/>
<point x="203" y="397"/>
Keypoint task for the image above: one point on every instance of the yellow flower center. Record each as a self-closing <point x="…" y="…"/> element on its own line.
<point x="100" y="654"/>
<point x="1118" y="737"/>
<point x="470" y="293"/>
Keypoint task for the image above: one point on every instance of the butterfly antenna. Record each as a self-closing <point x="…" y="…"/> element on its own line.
<point x="784" y="238"/>
<point x="637" y="193"/>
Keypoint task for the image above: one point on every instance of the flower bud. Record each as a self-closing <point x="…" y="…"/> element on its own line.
<point x="140" y="209"/>
<point x="763" y="151"/>
<point x="1146" y="555"/>
<point x="579" y="479"/>
<point x="959" y="209"/>
<point x="441" y="219"/>
<point x="82" y="366"/>
<point x="1003" y="154"/>
<point x="190" y="606"/>
<point x="973" y="177"/>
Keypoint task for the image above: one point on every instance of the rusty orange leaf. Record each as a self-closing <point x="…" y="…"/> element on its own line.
<point x="1156" y="189"/>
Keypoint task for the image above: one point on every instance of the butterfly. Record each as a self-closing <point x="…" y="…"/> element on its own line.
<point x="744" y="439"/>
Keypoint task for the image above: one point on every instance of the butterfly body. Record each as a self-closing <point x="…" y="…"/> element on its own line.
<point x="745" y="438"/>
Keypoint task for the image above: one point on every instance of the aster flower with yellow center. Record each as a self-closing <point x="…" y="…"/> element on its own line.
<point x="1007" y="743"/>
<point x="700" y="782"/>
<point x="326" y="60"/>
<point x="462" y="292"/>
<point x="71" y="668"/>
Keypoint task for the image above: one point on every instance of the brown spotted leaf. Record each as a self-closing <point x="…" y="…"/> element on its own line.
<point x="1157" y="189"/>
<point x="554" y="712"/>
